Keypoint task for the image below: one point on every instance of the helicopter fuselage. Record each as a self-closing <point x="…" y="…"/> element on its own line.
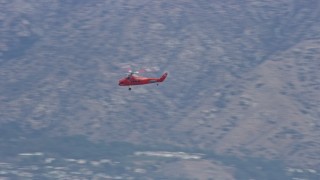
<point x="132" y="80"/>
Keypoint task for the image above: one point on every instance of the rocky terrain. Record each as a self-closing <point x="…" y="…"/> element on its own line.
<point x="243" y="82"/>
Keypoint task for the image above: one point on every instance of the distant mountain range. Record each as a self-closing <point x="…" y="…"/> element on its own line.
<point x="243" y="78"/>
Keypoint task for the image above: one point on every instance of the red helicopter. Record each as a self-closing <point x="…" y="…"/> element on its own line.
<point x="133" y="79"/>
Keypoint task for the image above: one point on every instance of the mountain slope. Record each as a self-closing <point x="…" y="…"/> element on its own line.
<point x="243" y="76"/>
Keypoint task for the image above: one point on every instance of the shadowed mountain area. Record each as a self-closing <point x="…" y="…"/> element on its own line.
<point x="242" y="91"/>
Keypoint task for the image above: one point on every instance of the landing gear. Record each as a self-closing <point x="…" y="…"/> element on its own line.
<point x="129" y="88"/>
